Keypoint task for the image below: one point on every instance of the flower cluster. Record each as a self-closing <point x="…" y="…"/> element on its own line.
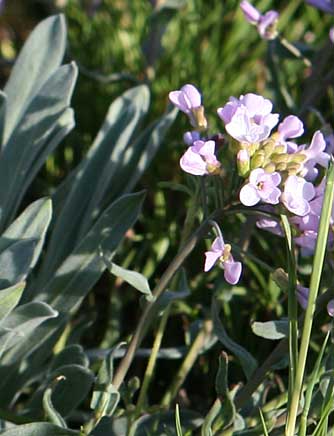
<point x="276" y="173"/>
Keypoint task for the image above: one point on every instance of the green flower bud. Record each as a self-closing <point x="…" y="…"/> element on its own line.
<point x="270" y="168"/>
<point x="280" y="158"/>
<point x="279" y="149"/>
<point x="243" y="163"/>
<point x="297" y="157"/>
<point x="281" y="167"/>
<point x="257" y="160"/>
<point x="293" y="168"/>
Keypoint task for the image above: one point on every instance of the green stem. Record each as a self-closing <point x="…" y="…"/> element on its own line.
<point x="294" y="50"/>
<point x="292" y="306"/>
<point x="308" y="397"/>
<point x="260" y="373"/>
<point x="187" y="364"/>
<point x="314" y="287"/>
<point x="149" y="310"/>
<point x="152" y="360"/>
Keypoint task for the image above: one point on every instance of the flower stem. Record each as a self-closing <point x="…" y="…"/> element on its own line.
<point x="314" y="287"/>
<point x="152" y="360"/>
<point x="150" y="309"/>
<point x="188" y="363"/>
<point x="295" y="51"/>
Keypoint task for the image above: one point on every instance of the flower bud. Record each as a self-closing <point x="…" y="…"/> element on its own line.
<point x="270" y="168"/>
<point x="280" y="149"/>
<point x="281" y="166"/>
<point x="268" y="148"/>
<point x="257" y="160"/>
<point x="197" y="118"/>
<point x="281" y="279"/>
<point x="278" y="158"/>
<point x="243" y="163"/>
<point x="293" y="168"/>
<point x="297" y="157"/>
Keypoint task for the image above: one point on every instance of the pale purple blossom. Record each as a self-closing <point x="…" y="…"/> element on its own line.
<point x="315" y="155"/>
<point x="330" y="308"/>
<point x="302" y="296"/>
<point x="200" y="159"/>
<point x="266" y="23"/>
<point x="270" y="225"/>
<point x="186" y="99"/>
<point x="221" y="252"/>
<point x="307" y="241"/>
<point x="290" y="127"/>
<point x="331" y="35"/>
<point x="262" y="186"/>
<point x="297" y="194"/>
<point x="249" y="118"/>
<point x="190" y="137"/>
<point x="189" y="100"/>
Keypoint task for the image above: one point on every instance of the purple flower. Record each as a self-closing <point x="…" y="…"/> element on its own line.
<point x="290" y="127"/>
<point x="266" y="24"/>
<point x="249" y="118"/>
<point x="262" y="186"/>
<point x="315" y="155"/>
<point x="200" y="159"/>
<point x="307" y="241"/>
<point x="297" y="194"/>
<point x="324" y="5"/>
<point x="302" y="296"/>
<point x="189" y="100"/>
<point x="190" y="137"/>
<point x="251" y="14"/>
<point x="331" y="34"/>
<point x="222" y="252"/>
<point x="270" y="225"/>
<point x="330" y="308"/>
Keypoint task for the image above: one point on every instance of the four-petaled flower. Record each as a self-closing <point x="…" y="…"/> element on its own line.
<point x="266" y="23"/>
<point x="297" y="194"/>
<point x="200" y="159"/>
<point x="290" y="127"/>
<point x="262" y="186"/>
<point x="222" y="252"/>
<point x="315" y="155"/>
<point x="249" y="118"/>
<point x="189" y="100"/>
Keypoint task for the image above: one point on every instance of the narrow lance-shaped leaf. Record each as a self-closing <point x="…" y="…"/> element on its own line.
<point x="95" y="176"/>
<point x="20" y="161"/>
<point x="77" y="276"/>
<point x="9" y="298"/>
<point x="39" y="429"/>
<point x="135" y="279"/>
<point x="39" y="58"/>
<point x="247" y="361"/>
